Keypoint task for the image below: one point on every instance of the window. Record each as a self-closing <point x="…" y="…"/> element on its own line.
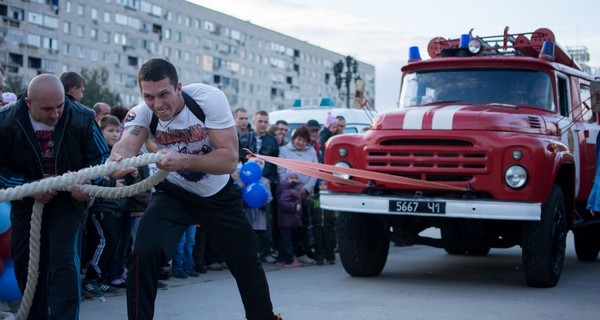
<point x="49" y="43"/>
<point x="105" y="37"/>
<point x="80" y="31"/>
<point x="35" y="18"/>
<point x="67" y="27"/>
<point x="81" y="10"/>
<point x="94" y="14"/>
<point x="34" y="40"/>
<point x="94" y="34"/>
<point x="564" y="103"/>
<point x="80" y="52"/>
<point x="94" y="55"/>
<point x="584" y="95"/>
<point x="107" y="17"/>
<point x="66" y="49"/>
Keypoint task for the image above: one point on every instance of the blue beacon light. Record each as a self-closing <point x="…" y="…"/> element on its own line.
<point x="547" y="52"/>
<point x="464" y="40"/>
<point x="413" y="54"/>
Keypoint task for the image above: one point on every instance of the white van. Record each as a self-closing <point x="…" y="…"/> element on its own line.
<point x="317" y="109"/>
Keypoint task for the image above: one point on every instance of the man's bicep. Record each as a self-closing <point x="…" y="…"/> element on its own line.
<point x="224" y="138"/>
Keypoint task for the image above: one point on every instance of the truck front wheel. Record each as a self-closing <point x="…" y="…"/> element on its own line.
<point x="544" y="243"/>
<point x="362" y="243"/>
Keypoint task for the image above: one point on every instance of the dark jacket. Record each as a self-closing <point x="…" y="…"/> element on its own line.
<point x="78" y="143"/>
<point x="288" y="197"/>
<point x="140" y="201"/>
<point x="324" y="135"/>
<point x="269" y="147"/>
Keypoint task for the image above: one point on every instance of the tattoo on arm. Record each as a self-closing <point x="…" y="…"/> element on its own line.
<point x="135" y="130"/>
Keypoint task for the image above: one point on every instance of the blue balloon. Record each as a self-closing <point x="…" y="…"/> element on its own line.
<point x="4" y="216"/>
<point x="9" y="290"/>
<point x="255" y="195"/>
<point x="250" y="173"/>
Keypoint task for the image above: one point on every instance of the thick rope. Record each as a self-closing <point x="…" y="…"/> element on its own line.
<point x="64" y="183"/>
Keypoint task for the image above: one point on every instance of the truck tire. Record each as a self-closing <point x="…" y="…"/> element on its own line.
<point x="362" y="244"/>
<point x="587" y="242"/>
<point x="544" y="243"/>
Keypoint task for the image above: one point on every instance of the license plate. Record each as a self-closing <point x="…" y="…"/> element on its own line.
<point x="431" y="207"/>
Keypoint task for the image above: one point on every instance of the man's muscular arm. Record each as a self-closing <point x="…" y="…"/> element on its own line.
<point x="130" y="144"/>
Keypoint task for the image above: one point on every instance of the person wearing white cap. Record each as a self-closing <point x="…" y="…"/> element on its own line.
<point x="8" y="97"/>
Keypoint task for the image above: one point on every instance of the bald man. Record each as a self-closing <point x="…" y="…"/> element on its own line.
<point x="45" y="134"/>
<point x="102" y="109"/>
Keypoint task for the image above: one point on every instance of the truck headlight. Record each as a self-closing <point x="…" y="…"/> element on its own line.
<point x="515" y="177"/>
<point x="342" y="152"/>
<point x="342" y="164"/>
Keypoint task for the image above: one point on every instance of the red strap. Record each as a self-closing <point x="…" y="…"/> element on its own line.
<point x="324" y="171"/>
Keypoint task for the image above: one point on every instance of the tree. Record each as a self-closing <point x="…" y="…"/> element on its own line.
<point x="15" y="85"/>
<point x="97" y="88"/>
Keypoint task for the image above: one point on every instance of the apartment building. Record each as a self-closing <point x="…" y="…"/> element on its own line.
<point x="257" y="68"/>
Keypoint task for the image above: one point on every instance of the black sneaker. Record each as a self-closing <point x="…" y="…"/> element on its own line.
<point x="200" y="268"/>
<point x="164" y="275"/>
<point x="191" y="272"/>
<point x="92" y="288"/>
<point x="105" y="288"/>
<point x="180" y="274"/>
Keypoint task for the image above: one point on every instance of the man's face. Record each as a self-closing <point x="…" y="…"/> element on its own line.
<point x="104" y="110"/>
<point x="314" y="134"/>
<point x="46" y="106"/>
<point x="241" y="121"/>
<point x="283" y="128"/>
<point x="77" y="93"/>
<point x="161" y="97"/>
<point x="341" y="126"/>
<point x="261" y="124"/>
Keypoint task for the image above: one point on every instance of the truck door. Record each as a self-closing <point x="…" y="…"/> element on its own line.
<point x="571" y="133"/>
<point x="590" y="132"/>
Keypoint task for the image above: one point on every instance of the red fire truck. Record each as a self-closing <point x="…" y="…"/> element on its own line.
<point x="508" y="120"/>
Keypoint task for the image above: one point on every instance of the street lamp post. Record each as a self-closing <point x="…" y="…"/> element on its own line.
<point x="351" y="70"/>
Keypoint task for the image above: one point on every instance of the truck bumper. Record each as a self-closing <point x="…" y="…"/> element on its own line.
<point x="453" y="208"/>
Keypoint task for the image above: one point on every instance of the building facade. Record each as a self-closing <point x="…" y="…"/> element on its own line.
<point x="257" y="68"/>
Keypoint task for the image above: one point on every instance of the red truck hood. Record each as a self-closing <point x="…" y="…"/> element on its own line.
<point x="490" y="117"/>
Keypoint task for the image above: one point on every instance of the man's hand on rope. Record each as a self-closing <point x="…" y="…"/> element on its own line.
<point x="171" y="162"/>
<point x="44" y="197"/>
<point x="115" y="157"/>
<point x="79" y="195"/>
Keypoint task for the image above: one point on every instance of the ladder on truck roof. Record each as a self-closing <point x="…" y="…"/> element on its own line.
<point x="517" y="44"/>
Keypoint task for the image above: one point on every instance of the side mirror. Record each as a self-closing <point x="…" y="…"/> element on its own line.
<point x="595" y="88"/>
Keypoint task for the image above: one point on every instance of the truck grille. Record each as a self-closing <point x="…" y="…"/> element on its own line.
<point x="429" y="159"/>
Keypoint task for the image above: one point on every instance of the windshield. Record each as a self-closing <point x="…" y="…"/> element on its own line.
<point x="482" y="86"/>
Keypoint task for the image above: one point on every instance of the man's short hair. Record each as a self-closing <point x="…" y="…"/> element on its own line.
<point x="283" y="122"/>
<point x="157" y="69"/>
<point x="341" y="118"/>
<point x="261" y="113"/>
<point x="72" y="79"/>
<point x="238" y="110"/>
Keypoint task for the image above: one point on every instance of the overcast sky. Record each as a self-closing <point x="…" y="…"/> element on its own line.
<point x="380" y="32"/>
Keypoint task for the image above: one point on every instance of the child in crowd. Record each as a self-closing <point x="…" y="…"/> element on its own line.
<point x="259" y="217"/>
<point x="183" y="260"/>
<point x="103" y="225"/>
<point x="289" y="218"/>
<point x="323" y="222"/>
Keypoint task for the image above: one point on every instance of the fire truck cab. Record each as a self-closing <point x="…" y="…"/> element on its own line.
<point x="508" y="118"/>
